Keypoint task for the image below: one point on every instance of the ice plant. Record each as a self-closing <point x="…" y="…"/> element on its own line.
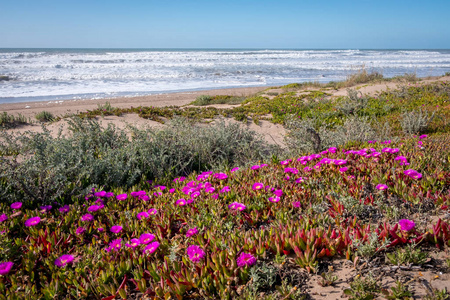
<point x="237" y="206"/>
<point x="115" y="244"/>
<point x="296" y="204"/>
<point x="16" y="205"/>
<point x="87" y="217"/>
<point x="234" y="170"/>
<point x="142" y="215"/>
<point x="116" y="228"/>
<point x="151" y="247"/>
<point x="225" y="189"/>
<point x="46" y="208"/>
<point x="152" y="211"/>
<point x="32" y="221"/>
<point x="93" y="208"/>
<point x="146" y="238"/>
<point x="192" y="232"/>
<point x="133" y="243"/>
<point x="245" y="259"/>
<point x="381" y="187"/>
<point x="121" y="197"/>
<point x="257" y="186"/>
<point x="220" y="176"/>
<point x="64" y="209"/>
<point x="64" y="260"/>
<point x="274" y="199"/>
<point x="5" y="267"/>
<point x="195" y="253"/>
<point x="3" y="218"/>
<point x="406" y="225"/>
<point x="413" y="174"/>
<point x="80" y="230"/>
<point x="181" y="202"/>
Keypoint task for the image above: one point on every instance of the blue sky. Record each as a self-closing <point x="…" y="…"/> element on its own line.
<point x="309" y="24"/>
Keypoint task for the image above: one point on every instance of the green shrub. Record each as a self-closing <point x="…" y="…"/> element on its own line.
<point x="8" y="121"/>
<point x="202" y="100"/>
<point x="45" y="116"/>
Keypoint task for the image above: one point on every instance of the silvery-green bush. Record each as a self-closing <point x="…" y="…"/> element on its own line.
<point x="40" y="168"/>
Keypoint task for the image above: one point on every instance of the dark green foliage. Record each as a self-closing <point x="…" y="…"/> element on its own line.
<point x="8" y="121"/>
<point x="45" y="116"/>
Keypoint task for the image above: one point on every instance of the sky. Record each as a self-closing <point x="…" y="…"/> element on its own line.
<point x="269" y="24"/>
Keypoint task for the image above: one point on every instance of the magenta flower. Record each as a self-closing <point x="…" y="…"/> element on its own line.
<point x="109" y="195"/>
<point x="146" y="238"/>
<point x="179" y="179"/>
<point x="100" y="194"/>
<point x="115" y="244"/>
<point x="46" y="208"/>
<point x="307" y="169"/>
<point x="237" y="206"/>
<point x="121" y="197"/>
<point x="278" y="193"/>
<point x="257" y="186"/>
<point x="16" y="205"/>
<point x="172" y="191"/>
<point x="192" y="232"/>
<point x="195" y="253"/>
<point x="406" y="225"/>
<point x="381" y="187"/>
<point x="255" y="167"/>
<point x="80" y="230"/>
<point x="225" y="189"/>
<point x="143" y="214"/>
<point x="3" y="218"/>
<point x="300" y="180"/>
<point x="234" y="170"/>
<point x="5" y="267"/>
<point x="133" y="243"/>
<point x="64" y="260"/>
<point x="220" y="176"/>
<point x="245" y="259"/>
<point x="296" y="204"/>
<point x="343" y="170"/>
<point x="116" y="229"/>
<point x="64" y="209"/>
<point x="94" y="208"/>
<point x="32" y="221"/>
<point x="87" y="217"/>
<point x="413" y="174"/>
<point x="100" y="229"/>
<point x="152" y="211"/>
<point x="423" y="136"/>
<point x="181" y="202"/>
<point x="151" y="247"/>
<point x="274" y="199"/>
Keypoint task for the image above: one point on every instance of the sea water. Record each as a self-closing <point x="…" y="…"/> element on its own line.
<point x="56" y="74"/>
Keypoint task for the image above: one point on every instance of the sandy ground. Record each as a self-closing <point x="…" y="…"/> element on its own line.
<point x="272" y="133"/>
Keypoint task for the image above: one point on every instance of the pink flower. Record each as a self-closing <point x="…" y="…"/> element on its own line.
<point x="133" y="243"/>
<point x="172" y="191"/>
<point x="296" y="204"/>
<point x="115" y="245"/>
<point x="100" y="229"/>
<point x="278" y="193"/>
<point x="64" y="209"/>
<point x="143" y="214"/>
<point x="146" y="238"/>
<point x="46" y="208"/>
<point x="87" y="217"/>
<point x="381" y="187"/>
<point x="237" y="206"/>
<point x="423" y="136"/>
<point x="413" y="174"/>
<point x="234" y="170"/>
<point x="100" y="194"/>
<point x="3" y="218"/>
<point x="406" y="225"/>
<point x="179" y="179"/>
<point x="116" y="229"/>
<point x="192" y="232"/>
<point x="195" y="253"/>
<point x="274" y="199"/>
<point x="80" y="230"/>
<point x="220" y="176"/>
<point x="343" y="170"/>
<point x="94" y="208"/>
<point x="257" y="186"/>
<point x="181" y="202"/>
<point x="5" y="267"/>
<point x="121" y="197"/>
<point x="300" y="180"/>
<point x="255" y="167"/>
<point x="32" y="221"/>
<point x="225" y="189"/>
<point x="152" y="211"/>
<point x="245" y="259"/>
<point x="64" y="260"/>
<point x="151" y="248"/>
<point x="16" y="205"/>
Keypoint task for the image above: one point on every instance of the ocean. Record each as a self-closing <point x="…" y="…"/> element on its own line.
<point x="62" y="74"/>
